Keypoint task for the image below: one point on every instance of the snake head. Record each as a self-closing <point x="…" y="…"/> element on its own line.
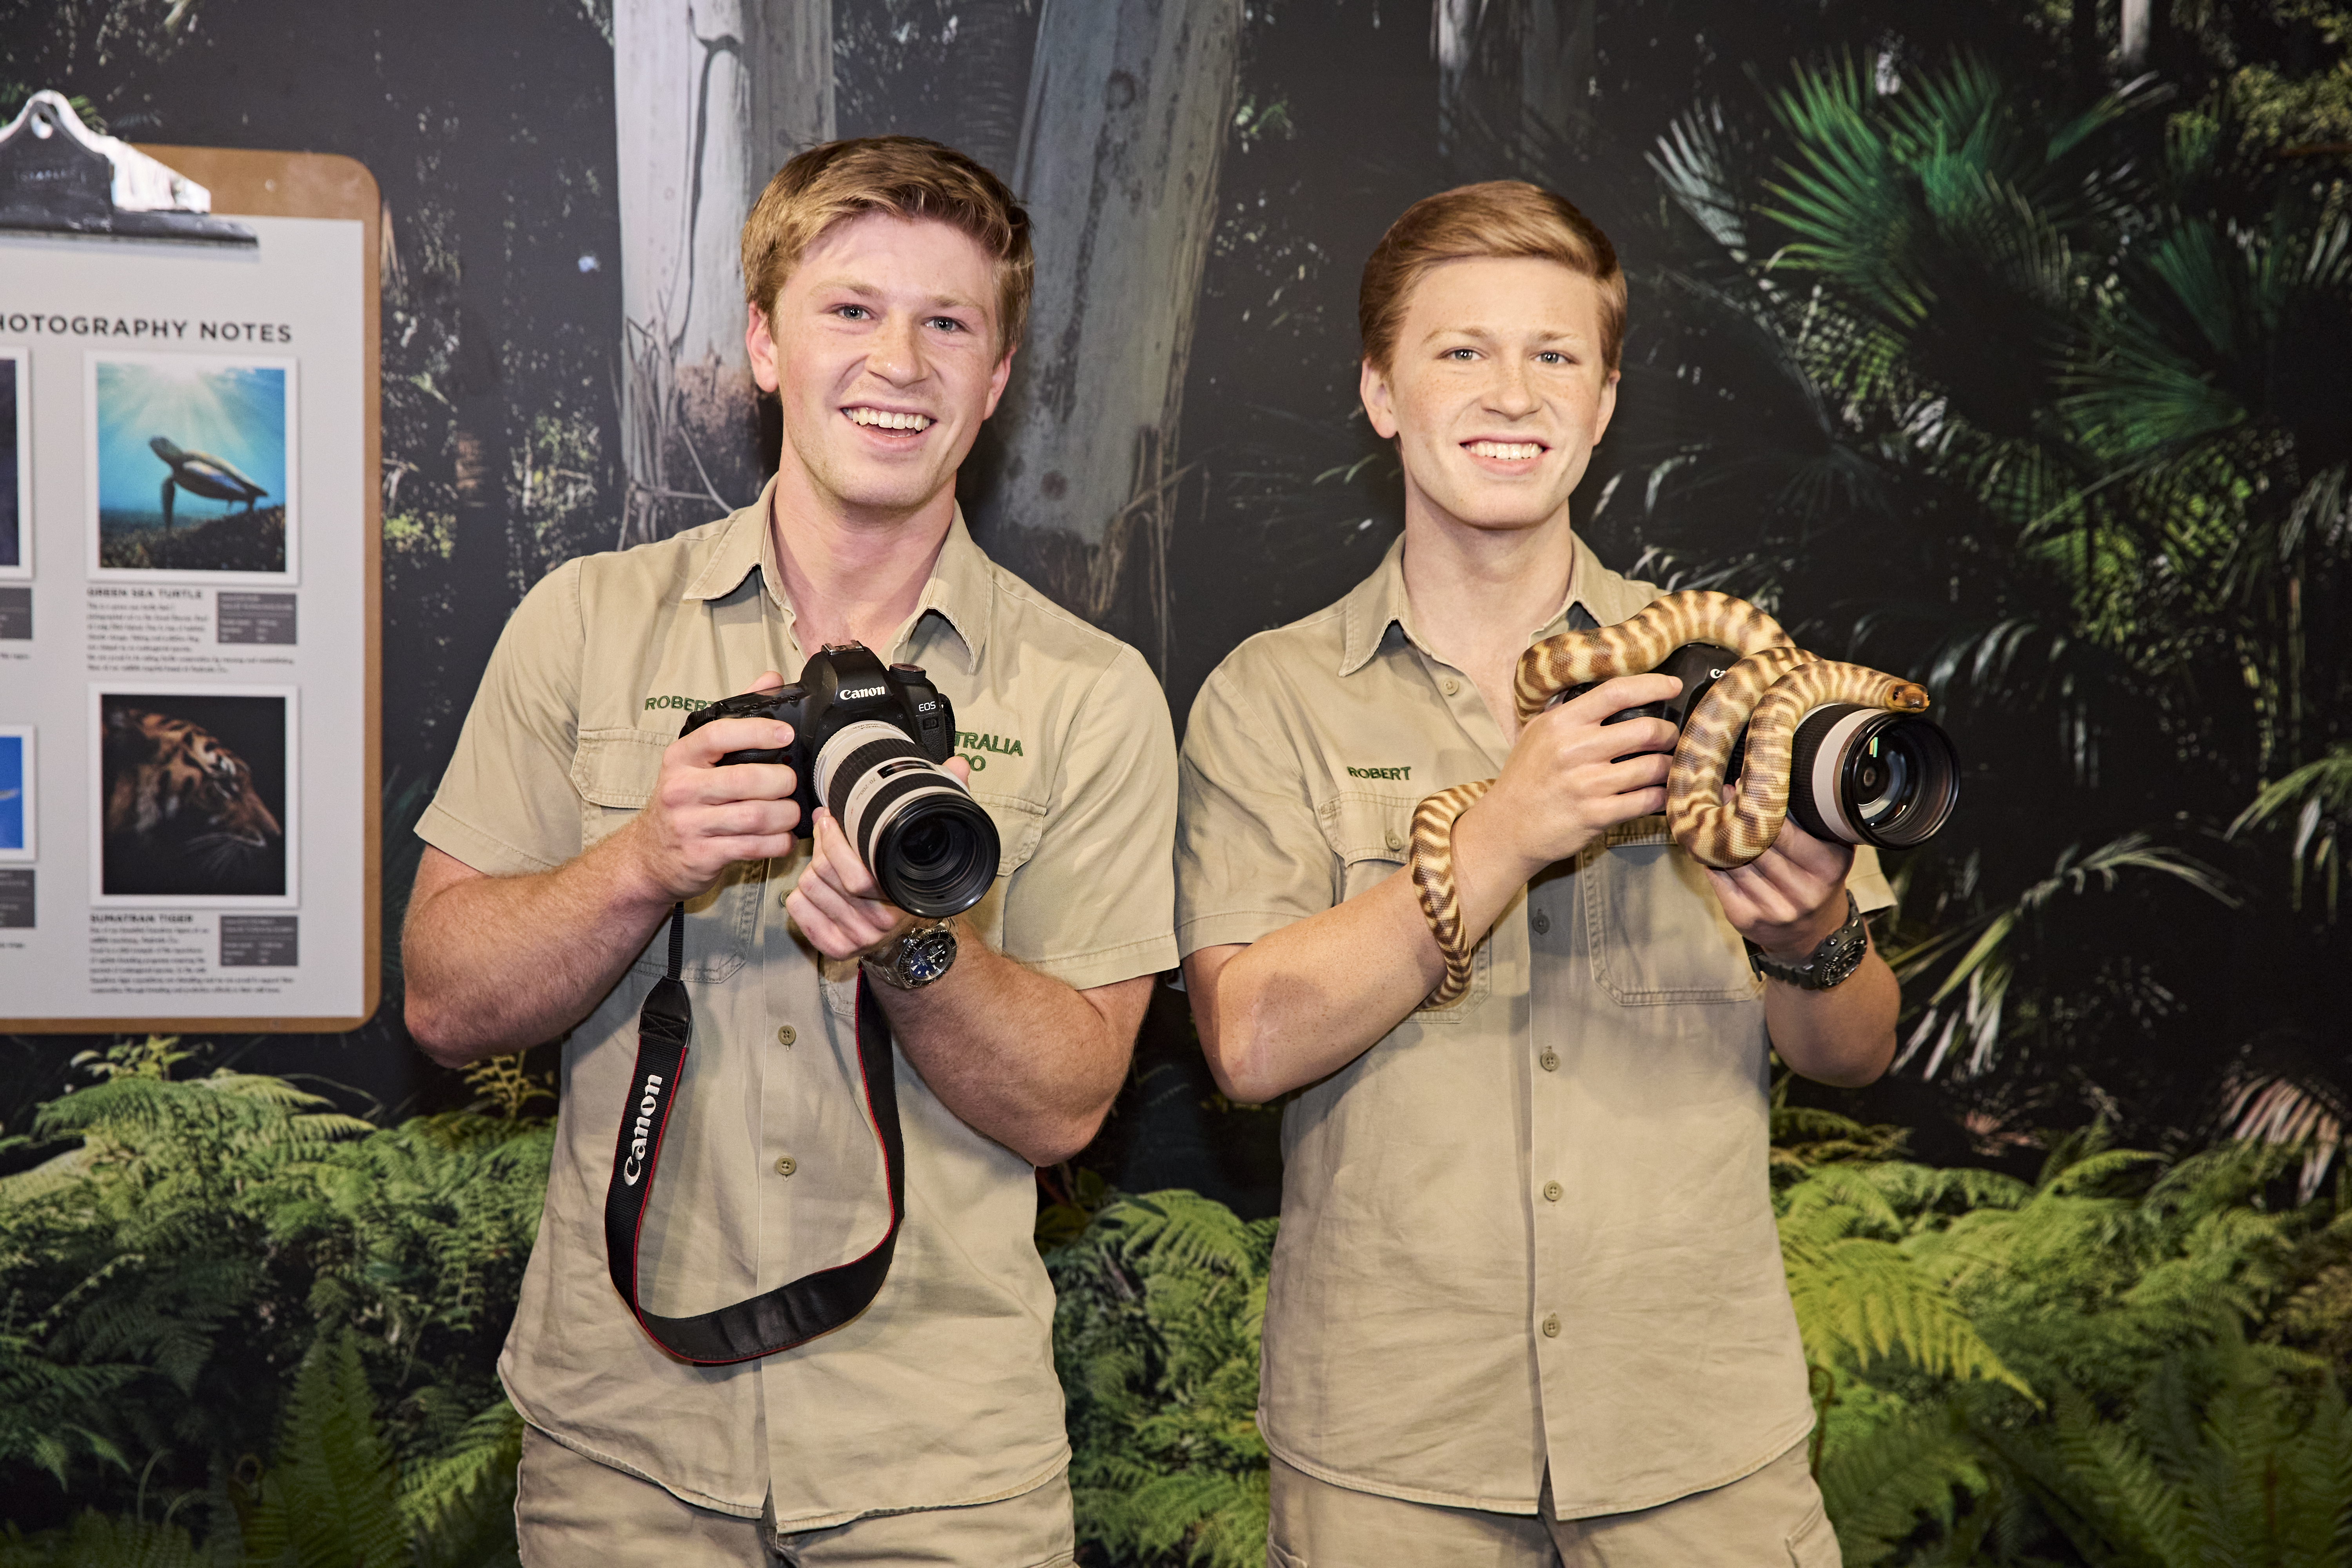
<point x="1906" y="697"/>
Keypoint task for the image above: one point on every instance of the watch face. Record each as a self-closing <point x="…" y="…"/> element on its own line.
<point x="926" y="957"/>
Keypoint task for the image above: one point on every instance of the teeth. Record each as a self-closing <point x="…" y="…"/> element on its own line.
<point x="1509" y="451"/>
<point x="889" y="421"/>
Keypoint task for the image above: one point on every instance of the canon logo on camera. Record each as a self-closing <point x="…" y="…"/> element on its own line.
<point x="859" y="694"/>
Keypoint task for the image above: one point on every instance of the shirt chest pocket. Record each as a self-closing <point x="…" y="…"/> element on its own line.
<point x="1370" y="837"/>
<point x="1651" y="923"/>
<point x="615" y="772"/>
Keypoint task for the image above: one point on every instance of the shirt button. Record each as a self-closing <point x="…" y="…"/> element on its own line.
<point x="787" y="1035"/>
<point x="1551" y="1326"/>
<point x="1552" y="1190"/>
<point x="783" y="895"/>
<point x="1542" y="922"/>
<point x="786" y="1164"/>
<point x="1451" y="686"/>
<point x="1549" y="1061"/>
<point x="1396" y="839"/>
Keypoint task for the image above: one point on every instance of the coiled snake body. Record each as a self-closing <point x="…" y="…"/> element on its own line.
<point x="1769" y="692"/>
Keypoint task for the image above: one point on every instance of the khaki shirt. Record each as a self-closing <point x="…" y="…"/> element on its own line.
<point x="943" y="1391"/>
<point x="1535" y="1224"/>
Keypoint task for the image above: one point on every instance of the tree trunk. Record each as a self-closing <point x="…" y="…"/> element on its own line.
<point x="994" y="42"/>
<point x="1514" y="85"/>
<point x="1130" y="105"/>
<point x="712" y="97"/>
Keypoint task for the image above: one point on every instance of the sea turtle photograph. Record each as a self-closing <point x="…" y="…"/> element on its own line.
<point x="194" y="463"/>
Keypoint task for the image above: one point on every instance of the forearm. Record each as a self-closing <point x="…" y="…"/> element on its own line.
<point x="1301" y="1003"/>
<point x="1016" y="1055"/>
<point x="1845" y="1035"/>
<point x="499" y="964"/>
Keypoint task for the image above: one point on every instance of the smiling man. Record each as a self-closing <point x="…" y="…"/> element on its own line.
<point x="1526" y="1305"/>
<point x="886" y="281"/>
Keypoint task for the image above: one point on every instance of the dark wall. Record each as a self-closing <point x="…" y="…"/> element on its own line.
<point x="1747" y="452"/>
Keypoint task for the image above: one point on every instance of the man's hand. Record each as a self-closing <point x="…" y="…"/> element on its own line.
<point x="838" y="905"/>
<point x="1785" y="901"/>
<point x="1570" y="777"/>
<point x="1789" y="898"/>
<point x="702" y="818"/>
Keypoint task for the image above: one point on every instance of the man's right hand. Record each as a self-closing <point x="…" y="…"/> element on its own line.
<point x="702" y="818"/>
<point x="1570" y="776"/>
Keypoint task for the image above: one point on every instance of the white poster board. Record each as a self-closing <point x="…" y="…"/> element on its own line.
<point x="187" y="631"/>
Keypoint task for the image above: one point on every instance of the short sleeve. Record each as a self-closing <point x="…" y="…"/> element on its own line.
<point x="506" y="806"/>
<point x="1867" y="882"/>
<point x="1250" y="857"/>
<point x="1095" y="902"/>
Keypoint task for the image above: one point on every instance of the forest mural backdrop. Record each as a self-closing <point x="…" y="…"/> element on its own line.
<point x="2005" y="342"/>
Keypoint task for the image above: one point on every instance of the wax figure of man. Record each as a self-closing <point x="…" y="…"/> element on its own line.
<point x="1528" y="1304"/>
<point x="888" y="280"/>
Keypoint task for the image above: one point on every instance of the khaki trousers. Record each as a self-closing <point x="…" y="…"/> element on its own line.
<point x="1772" y="1519"/>
<point x="573" y="1512"/>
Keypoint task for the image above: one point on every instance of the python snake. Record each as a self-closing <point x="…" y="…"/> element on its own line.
<point x="1768" y="691"/>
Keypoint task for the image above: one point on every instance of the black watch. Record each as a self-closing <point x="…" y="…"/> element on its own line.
<point x="1839" y="955"/>
<point x="916" y="958"/>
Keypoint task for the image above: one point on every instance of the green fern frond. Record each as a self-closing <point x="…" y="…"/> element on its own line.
<point x="1862" y="1300"/>
<point x="1878" y="1491"/>
<point x="329" y="1500"/>
<point x="482" y="1461"/>
<point x="94" y="1540"/>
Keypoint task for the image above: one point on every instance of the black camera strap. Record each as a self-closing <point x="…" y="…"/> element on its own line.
<point x="792" y="1313"/>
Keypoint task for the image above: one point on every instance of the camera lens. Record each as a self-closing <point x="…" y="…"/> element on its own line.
<point x="932" y="848"/>
<point x="1865" y="776"/>
<point x="937" y="854"/>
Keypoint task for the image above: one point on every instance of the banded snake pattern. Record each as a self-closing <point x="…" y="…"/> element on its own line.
<point x="1768" y="691"/>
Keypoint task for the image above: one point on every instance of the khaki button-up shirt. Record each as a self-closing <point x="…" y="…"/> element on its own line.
<point x="1535" y="1225"/>
<point x="943" y="1391"/>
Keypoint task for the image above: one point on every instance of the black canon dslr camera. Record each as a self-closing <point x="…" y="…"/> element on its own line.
<point x="1858" y="776"/>
<point x="867" y="743"/>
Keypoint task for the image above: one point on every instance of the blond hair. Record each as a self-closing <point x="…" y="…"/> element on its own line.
<point x="903" y="175"/>
<point x="1498" y="218"/>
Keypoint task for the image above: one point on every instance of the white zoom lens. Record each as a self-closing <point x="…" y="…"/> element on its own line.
<point x="1866" y="776"/>
<point x="932" y="848"/>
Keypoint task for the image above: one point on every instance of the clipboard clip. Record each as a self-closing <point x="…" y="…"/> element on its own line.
<point x="59" y="177"/>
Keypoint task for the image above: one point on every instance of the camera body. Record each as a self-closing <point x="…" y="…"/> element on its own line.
<point x="868" y="739"/>
<point x="1856" y="776"/>
<point x="1698" y="666"/>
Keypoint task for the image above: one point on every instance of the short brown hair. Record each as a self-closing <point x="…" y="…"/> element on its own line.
<point x="1499" y="218"/>
<point x="903" y="175"/>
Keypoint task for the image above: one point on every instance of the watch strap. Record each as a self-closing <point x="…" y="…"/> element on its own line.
<point x="1831" y="963"/>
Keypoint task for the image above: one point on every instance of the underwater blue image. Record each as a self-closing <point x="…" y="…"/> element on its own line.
<point x="12" y="792"/>
<point x="190" y="464"/>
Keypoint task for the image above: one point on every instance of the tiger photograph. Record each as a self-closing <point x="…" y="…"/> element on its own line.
<point x="193" y="795"/>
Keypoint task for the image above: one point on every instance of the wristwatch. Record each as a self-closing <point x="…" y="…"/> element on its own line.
<point x="1838" y="956"/>
<point x="916" y="958"/>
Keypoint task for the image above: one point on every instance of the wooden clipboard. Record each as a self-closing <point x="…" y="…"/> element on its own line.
<point x="311" y="185"/>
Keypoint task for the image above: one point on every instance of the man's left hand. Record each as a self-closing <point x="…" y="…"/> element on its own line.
<point x="838" y="905"/>
<point x="1789" y="898"/>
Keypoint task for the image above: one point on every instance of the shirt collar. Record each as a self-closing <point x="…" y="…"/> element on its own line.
<point x="962" y="589"/>
<point x="1378" y="608"/>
